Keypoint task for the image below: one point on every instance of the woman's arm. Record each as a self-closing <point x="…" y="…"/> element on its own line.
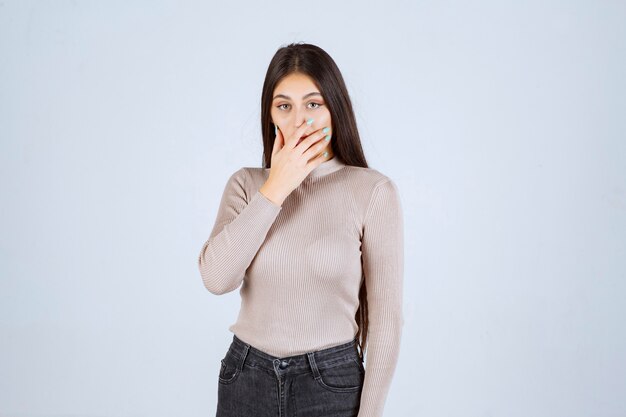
<point x="239" y="231"/>
<point x="382" y="252"/>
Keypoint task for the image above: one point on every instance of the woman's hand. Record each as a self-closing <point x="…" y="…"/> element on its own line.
<point x="293" y="160"/>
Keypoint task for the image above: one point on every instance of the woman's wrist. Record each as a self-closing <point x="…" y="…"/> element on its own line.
<point x="272" y="194"/>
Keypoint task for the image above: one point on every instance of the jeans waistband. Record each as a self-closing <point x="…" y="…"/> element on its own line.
<point x="322" y="358"/>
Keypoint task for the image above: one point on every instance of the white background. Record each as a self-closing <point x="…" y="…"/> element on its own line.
<point x="502" y="124"/>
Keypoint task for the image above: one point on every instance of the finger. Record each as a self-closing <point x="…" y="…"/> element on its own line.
<point x="316" y="140"/>
<point x="318" y="148"/>
<point x="317" y="160"/>
<point x="299" y="132"/>
<point x="278" y="142"/>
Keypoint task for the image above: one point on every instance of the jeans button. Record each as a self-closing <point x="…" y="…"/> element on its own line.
<point x="283" y="364"/>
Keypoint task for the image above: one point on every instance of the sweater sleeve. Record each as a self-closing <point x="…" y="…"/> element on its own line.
<point x="382" y="257"/>
<point x="238" y="232"/>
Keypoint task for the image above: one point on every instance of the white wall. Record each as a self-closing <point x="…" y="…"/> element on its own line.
<point x="502" y="124"/>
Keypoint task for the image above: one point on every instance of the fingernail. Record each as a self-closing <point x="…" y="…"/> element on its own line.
<point x="275" y="130"/>
<point x="326" y="153"/>
<point x="327" y="138"/>
<point x="309" y="121"/>
<point x="326" y="129"/>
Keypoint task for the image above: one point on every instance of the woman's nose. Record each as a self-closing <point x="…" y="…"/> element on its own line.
<point x="300" y="119"/>
<point x="304" y="119"/>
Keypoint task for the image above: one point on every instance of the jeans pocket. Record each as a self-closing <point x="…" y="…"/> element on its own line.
<point x="229" y="368"/>
<point x="345" y="376"/>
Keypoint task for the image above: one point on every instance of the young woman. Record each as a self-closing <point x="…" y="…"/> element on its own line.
<point x="315" y="239"/>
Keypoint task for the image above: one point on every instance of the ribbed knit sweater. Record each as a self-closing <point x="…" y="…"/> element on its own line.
<point x="302" y="263"/>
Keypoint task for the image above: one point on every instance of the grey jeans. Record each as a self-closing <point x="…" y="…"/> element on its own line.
<point x="322" y="383"/>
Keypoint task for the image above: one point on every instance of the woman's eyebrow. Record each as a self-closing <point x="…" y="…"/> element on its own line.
<point x="303" y="97"/>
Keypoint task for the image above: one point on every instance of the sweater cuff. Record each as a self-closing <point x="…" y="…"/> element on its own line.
<point x="264" y="203"/>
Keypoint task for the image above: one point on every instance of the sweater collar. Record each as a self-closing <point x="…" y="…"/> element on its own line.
<point x="327" y="167"/>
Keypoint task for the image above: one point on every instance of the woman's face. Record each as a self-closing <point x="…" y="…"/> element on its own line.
<point x="296" y="99"/>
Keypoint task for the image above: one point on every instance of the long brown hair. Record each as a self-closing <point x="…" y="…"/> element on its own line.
<point x="313" y="61"/>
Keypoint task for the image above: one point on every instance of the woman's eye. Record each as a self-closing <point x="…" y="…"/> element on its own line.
<point x="317" y="105"/>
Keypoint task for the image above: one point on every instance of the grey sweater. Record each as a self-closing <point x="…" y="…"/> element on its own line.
<point x="301" y="265"/>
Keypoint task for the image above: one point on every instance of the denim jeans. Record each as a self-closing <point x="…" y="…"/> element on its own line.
<point x="321" y="383"/>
